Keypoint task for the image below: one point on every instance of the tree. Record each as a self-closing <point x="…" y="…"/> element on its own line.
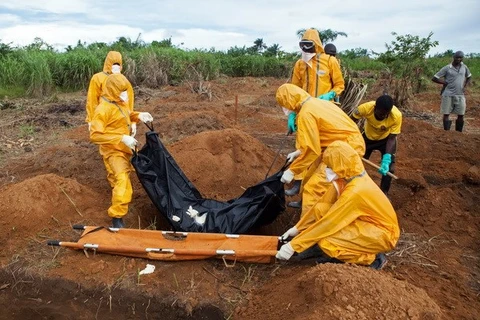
<point x="258" y="46"/>
<point x="405" y="58"/>
<point x="273" y="51"/>
<point x="355" y="53"/>
<point x="165" y="43"/>
<point x="5" y="48"/>
<point x="39" y="44"/>
<point x="327" y="35"/>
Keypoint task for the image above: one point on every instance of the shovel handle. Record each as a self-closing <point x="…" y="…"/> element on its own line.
<point x="377" y="167"/>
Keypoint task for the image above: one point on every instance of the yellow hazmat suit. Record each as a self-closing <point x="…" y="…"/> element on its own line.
<point x="320" y="123"/>
<point x="354" y="223"/>
<point x="319" y="75"/>
<point x="97" y="82"/>
<point x="111" y="120"/>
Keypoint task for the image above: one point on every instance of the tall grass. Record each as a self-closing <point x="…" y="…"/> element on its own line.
<point x="40" y="72"/>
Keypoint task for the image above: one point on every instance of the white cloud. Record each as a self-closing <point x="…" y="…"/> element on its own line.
<point x="49" y="6"/>
<point x="226" y="23"/>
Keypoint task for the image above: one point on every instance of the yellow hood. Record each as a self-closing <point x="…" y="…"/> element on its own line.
<point x="291" y="96"/>
<point x="313" y="35"/>
<point x="112" y="57"/>
<point x="343" y="160"/>
<point x="114" y="85"/>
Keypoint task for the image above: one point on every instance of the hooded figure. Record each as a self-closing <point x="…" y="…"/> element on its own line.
<point x="112" y="65"/>
<point x="321" y="73"/>
<point x="110" y="129"/>
<point x="354" y="221"/>
<point x="320" y="123"/>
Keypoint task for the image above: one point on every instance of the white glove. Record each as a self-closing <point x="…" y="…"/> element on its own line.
<point x="89" y="126"/>
<point x="292" y="232"/>
<point x="130" y="142"/>
<point x="285" y="252"/>
<point x="133" y="129"/>
<point x="287" y="176"/>
<point x="293" y="155"/>
<point x="145" y="117"/>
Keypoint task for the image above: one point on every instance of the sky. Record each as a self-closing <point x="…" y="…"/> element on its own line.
<point x="222" y="24"/>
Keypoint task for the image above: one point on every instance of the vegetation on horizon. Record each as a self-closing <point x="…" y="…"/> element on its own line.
<point x="39" y="70"/>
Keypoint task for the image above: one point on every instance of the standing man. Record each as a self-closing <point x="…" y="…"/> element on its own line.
<point x="456" y="77"/>
<point x="383" y="122"/>
<point x="112" y="65"/>
<point x="320" y="76"/>
<point x="110" y="129"/>
<point x="320" y="123"/>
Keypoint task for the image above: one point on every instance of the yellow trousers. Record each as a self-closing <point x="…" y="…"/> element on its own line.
<point x="118" y="168"/>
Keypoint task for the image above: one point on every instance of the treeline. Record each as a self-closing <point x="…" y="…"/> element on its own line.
<point x="39" y="70"/>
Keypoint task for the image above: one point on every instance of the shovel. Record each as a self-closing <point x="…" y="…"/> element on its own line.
<point x="377" y="167"/>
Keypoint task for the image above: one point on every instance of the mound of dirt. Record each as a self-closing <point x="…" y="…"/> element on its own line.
<point x="45" y="202"/>
<point x="331" y="291"/>
<point x="222" y="163"/>
<point x="181" y="125"/>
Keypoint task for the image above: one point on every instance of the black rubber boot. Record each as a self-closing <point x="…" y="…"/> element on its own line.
<point x="379" y="262"/>
<point x="459" y="125"/>
<point x="295" y="189"/>
<point x="447" y="124"/>
<point x="295" y="204"/>
<point x="118" y="223"/>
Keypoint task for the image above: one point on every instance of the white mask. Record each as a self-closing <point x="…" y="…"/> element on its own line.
<point x="331" y="176"/>
<point x="286" y="111"/>
<point x="307" y="56"/>
<point x="124" y="96"/>
<point x="116" y="69"/>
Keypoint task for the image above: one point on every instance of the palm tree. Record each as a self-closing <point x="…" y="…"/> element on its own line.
<point x="259" y="45"/>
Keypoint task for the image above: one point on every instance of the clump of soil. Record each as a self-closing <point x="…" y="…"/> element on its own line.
<point x="221" y="164"/>
<point x="330" y="291"/>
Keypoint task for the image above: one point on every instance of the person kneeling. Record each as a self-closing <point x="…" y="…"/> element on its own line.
<point x="353" y="222"/>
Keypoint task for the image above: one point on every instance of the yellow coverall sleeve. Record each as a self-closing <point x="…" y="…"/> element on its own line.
<point x="318" y="210"/>
<point x="341" y="214"/>
<point x="308" y="142"/>
<point x="298" y="74"/>
<point x="131" y="98"/>
<point x="93" y="96"/>
<point x="336" y="76"/>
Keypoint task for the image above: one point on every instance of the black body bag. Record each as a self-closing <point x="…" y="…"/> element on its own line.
<point x="183" y="206"/>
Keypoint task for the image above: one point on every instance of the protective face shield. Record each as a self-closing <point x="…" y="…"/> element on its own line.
<point x="286" y="111"/>
<point x="124" y="96"/>
<point x="116" y="68"/>
<point x="331" y="175"/>
<point x="307" y="46"/>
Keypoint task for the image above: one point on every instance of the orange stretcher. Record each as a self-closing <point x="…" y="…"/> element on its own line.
<point x="174" y="246"/>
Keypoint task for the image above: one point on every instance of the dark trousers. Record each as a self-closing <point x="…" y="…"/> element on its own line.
<point x="380" y="145"/>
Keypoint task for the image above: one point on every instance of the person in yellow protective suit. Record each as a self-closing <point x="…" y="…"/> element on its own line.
<point x="319" y="74"/>
<point x="112" y="65"/>
<point x="354" y="221"/>
<point x="320" y="123"/>
<point x="383" y="124"/>
<point x="110" y="129"/>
